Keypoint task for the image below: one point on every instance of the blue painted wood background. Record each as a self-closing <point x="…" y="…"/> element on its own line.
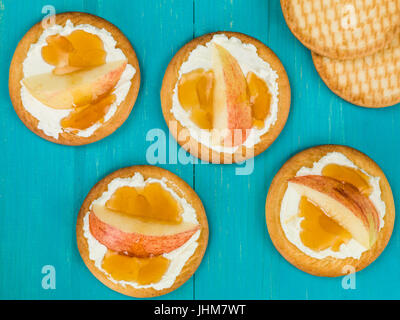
<point x="42" y="185"/>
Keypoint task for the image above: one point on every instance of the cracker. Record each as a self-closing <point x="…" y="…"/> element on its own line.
<point x="329" y="266"/>
<point x="372" y="81"/>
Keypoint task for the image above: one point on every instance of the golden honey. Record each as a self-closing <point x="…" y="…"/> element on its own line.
<point x="350" y="175"/>
<point x="318" y="231"/>
<point x="152" y="202"/>
<point x="143" y="271"/>
<point x="77" y="51"/>
<point x="84" y="117"/>
<point x="195" y="94"/>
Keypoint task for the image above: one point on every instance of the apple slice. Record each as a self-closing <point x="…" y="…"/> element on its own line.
<point x="136" y="237"/>
<point x="231" y="106"/>
<point x="75" y="89"/>
<point x="343" y="203"/>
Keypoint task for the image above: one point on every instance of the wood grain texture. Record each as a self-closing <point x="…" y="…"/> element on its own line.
<point x="42" y="185"/>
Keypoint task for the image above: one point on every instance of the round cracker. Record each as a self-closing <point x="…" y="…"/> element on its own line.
<point x="372" y="81"/>
<point x="343" y="29"/>
<point x="16" y="75"/>
<point x="179" y="132"/>
<point x="329" y="266"/>
<point x="183" y="190"/>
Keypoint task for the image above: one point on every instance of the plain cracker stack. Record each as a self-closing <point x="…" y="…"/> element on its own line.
<point x="371" y="81"/>
<point x="343" y="29"/>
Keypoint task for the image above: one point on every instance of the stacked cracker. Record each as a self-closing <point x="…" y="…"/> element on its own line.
<point x="355" y="46"/>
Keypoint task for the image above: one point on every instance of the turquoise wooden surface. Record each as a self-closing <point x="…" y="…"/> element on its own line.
<point x="42" y="185"/>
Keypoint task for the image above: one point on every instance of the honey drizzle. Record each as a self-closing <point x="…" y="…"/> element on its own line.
<point x="350" y="175"/>
<point x="260" y="99"/>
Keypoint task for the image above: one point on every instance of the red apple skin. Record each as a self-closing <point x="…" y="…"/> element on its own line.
<point x="135" y="244"/>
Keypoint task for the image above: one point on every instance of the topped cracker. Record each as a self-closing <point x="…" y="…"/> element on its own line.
<point x="343" y="29"/>
<point x="372" y="81"/>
